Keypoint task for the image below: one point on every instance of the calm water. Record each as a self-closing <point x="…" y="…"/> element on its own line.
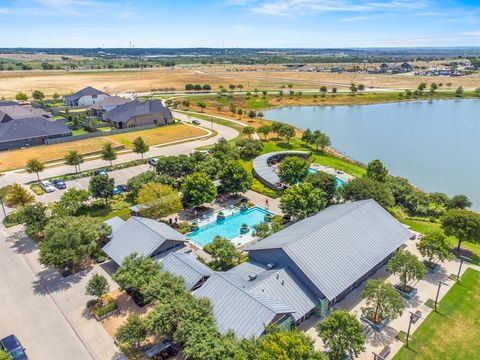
<point x="436" y="145"/>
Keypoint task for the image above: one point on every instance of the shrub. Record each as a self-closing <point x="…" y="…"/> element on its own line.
<point x="99" y="312"/>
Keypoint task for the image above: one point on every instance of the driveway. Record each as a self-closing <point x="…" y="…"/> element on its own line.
<point x="46" y="311"/>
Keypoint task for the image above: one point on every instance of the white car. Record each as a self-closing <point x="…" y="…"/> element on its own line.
<point x="47" y="186"/>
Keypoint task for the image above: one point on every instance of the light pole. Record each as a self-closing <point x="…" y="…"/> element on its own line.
<point x="462" y="259"/>
<point x="3" y="208"/>
<point x="440" y="283"/>
<point x="412" y="316"/>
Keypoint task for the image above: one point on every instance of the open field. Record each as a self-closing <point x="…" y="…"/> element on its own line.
<point x="16" y="159"/>
<point x="453" y="332"/>
<point x="251" y="77"/>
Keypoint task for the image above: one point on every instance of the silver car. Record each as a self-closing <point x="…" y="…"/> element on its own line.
<point x="47" y="186"/>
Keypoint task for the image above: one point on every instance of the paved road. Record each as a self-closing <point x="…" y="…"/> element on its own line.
<point x="32" y="316"/>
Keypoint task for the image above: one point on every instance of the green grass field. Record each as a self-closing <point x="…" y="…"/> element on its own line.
<point x="454" y="332"/>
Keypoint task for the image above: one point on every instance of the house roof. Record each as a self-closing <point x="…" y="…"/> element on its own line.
<point x="8" y="103"/>
<point x="265" y="172"/>
<point x="141" y="236"/>
<point x="187" y="266"/>
<point x="19" y="129"/>
<point x="340" y="244"/>
<point x="125" y="112"/>
<point x="115" y="223"/>
<point x="109" y="101"/>
<point x="87" y="91"/>
<point x="8" y="112"/>
<point x="235" y="308"/>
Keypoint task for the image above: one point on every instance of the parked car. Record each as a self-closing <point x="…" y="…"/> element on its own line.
<point x="100" y="172"/>
<point x="59" y="184"/>
<point x="123" y="187"/>
<point x="153" y="161"/>
<point x="47" y="186"/>
<point x="11" y="345"/>
<point x="116" y="190"/>
<point x="196" y="122"/>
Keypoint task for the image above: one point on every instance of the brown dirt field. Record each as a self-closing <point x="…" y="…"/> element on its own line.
<point x="16" y="159"/>
<point x="114" y="81"/>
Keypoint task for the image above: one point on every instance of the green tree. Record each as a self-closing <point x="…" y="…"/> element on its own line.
<point x="223" y="252"/>
<point x="434" y="245"/>
<point x="293" y="169"/>
<point x="361" y="87"/>
<point x="132" y="332"/>
<point x="71" y="201"/>
<point x="101" y="187"/>
<point x="251" y="115"/>
<point x="342" y="334"/>
<point x="198" y="189"/>
<point x="97" y="286"/>
<point x="35" y="166"/>
<point x="386" y="301"/>
<point x="249" y="149"/>
<point x="74" y="158"/>
<point x="189" y="87"/>
<point x="233" y="108"/>
<point x="175" y="166"/>
<point x="307" y="137"/>
<point x="319" y="139"/>
<point x="323" y="89"/>
<point x="140" y="146"/>
<point x="302" y="200"/>
<point x="224" y="151"/>
<point x="366" y="188"/>
<point x="202" y="105"/>
<point x="249" y="131"/>
<point x="287" y="131"/>
<point x="459" y="202"/>
<point x="422" y="86"/>
<point x="265" y="229"/>
<point x="353" y="88"/>
<point x="160" y="200"/>
<point x="276" y="126"/>
<point x="463" y="224"/>
<point x="235" y="179"/>
<point x="407" y="267"/>
<point x="35" y="218"/>
<point x="109" y="153"/>
<point x="4" y="355"/>
<point x="459" y="92"/>
<point x="38" y="95"/>
<point x="21" y="96"/>
<point x="16" y="195"/>
<point x="334" y="90"/>
<point x="264" y="130"/>
<point x="325" y="182"/>
<point x="56" y="96"/>
<point x="135" y="183"/>
<point x="377" y="171"/>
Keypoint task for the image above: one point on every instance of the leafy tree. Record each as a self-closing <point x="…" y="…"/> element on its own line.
<point x="161" y="200"/>
<point x="101" y="187"/>
<point x="71" y="201"/>
<point x="342" y="334"/>
<point x="386" y="301"/>
<point x="223" y="151"/>
<point x="407" y="267"/>
<point x="210" y="166"/>
<point x="320" y="139"/>
<point x="21" y="96"/>
<point x="235" y="179"/>
<point x="422" y="86"/>
<point x="186" y="103"/>
<point x="293" y="169"/>
<point x="175" y="166"/>
<point x="302" y="200"/>
<point x="276" y="126"/>
<point x="251" y="115"/>
<point x="249" y="148"/>
<point x="202" y="105"/>
<point x="353" y="88"/>
<point x="97" y="286"/>
<point x="434" y="245"/>
<point x="325" y="182"/>
<point x="135" y="183"/>
<point x="366" y="188"/>
<point x="307" y="137"/>
<point x="140" y="146"/>
<point x="361" y="87"/>
<point x="198" y="189"/>
<point x="223" y="252"/>
<point x="38" y="95"/>
<point x="16" y="195"/>
<point x="206" y="87"/>
<point x="264" y="130"/>
<point x="74" y="158"/>
<point x="377" y="171"/>
<point x="132" y="332"/>
<point x="459" y="92"/>
<point x="334" y="90"/>
<point x="56" y="96"/>
<point x="35" y="166"/>
<point x="35" y="218"/>
<point x="323" y="89"/>
<point x="463" y="224"/>
<point x="109" y="153"/>
<point x="249" y="131"/>
<point x="459" y="202"/>
<point x="286" y="131"/>
<point x="189" y="87"/>
<point x="265" y="229"/>
<point x="4" y="355"/>
<point x="233" y="108"/>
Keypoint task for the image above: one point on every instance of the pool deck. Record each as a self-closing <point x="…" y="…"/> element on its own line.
<point x="337" y="173"/>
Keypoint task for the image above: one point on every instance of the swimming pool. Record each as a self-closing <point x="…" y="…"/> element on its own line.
<point x="340" y="182"/>
<point x="230" y="227"/>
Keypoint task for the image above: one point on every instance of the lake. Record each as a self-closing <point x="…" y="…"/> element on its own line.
<point x="434" y="144"/>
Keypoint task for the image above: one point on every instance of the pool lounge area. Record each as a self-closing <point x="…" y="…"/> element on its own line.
<point x="340" y="182"/>
<point x="229" y="227"/>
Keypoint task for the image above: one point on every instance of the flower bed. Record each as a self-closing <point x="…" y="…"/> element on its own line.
<point x="105" y="311"/>
<point x="37" y="189"/>
<point x="408" y="292"/>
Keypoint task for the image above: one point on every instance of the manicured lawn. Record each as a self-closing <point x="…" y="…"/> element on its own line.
<point x="454" y="332"/>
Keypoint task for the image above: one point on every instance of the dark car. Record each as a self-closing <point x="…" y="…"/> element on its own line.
<point x="196" y="122"/>
<point x="11" y="345"/>
<point x="123" y="187"/>
<point x="100" y="172"/>
<point x="59" y="184"/>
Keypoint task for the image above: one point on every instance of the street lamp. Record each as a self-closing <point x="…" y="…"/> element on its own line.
<point x="412" y="316"/>
<point x="462" y="259"/>
<point x="440" y="283"/>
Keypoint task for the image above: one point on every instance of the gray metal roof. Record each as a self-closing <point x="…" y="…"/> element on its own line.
<point x="340" y="244"/>
<point x="19" y="129"/>
<point x="87" y="91"/>
<point x="109" y="101"/>
<point x="187" y="266"/>
<point x="141" y="236"/>
<point x="235" y="308"/>
<point x="115" y="223"/>
<point x="15" y="111"/>
<point x="125" y="112"/>
<point x="265" y="172"/>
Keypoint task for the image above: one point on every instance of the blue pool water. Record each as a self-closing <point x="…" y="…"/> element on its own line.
<point x="340" y="182"/>
<point x="230" y="227"/>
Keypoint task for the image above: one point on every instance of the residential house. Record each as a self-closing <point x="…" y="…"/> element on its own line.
<point x="15" y="111"/>
<point x="186" y="265"/>
<point x="102" y="107"/>
<point x="86" y="97"/>
<point x="139" y="113"/>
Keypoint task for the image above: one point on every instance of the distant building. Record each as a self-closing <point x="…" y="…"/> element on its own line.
<point x="14" y="111"/>
<point x="110" y="103"/>
<point x="138" y="113"/>
<point x="86" y="97"/>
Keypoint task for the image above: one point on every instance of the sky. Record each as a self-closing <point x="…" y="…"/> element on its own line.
<point x="239" y="23"/>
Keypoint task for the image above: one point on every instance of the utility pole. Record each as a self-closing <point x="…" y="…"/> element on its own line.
<point x="412" y="316"/>
<point x="462" y="259"/>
